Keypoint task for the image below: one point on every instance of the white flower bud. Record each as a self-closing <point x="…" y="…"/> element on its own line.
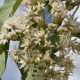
<point x="51" y="26"/>
<point x="62" y="29"/>
<point x="39" y="20"/>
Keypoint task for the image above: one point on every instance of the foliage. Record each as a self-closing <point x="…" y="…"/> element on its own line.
<point x="37" y="56"/>
<point x="5" y="11"/>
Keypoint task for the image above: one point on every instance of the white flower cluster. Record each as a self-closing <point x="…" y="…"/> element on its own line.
<point x="39" y="42"/>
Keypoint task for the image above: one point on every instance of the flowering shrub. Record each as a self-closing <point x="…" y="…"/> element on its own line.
<point x="40" y="42"/>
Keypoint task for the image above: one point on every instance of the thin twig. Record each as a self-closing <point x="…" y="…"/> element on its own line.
<point x="48" y="17"/>
<point x="75" y="10"/>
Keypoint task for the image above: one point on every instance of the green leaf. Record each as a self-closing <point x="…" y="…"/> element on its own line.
<point x="8" y="7"/>
<point x="27" y="72"/>
<point x="2" y="60"/>
<point x="16" y="5"/>
<point x="49" y="8"/>
<point x="2" y="63"/>
<point x="54" y="38"/>
<point x="76" y="35"/>
<point x="3" y="57"/>
<point x="30" y="72"/>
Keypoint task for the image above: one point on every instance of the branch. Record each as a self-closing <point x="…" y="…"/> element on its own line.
<point x="75" y="10"/>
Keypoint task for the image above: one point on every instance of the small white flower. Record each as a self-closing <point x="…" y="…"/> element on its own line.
<point x="40" y="6"/>
<point x="48" y="44"/>
<point x="23" y="64"/>
<point x="39" y="20"/>
<point x="54" y="7"/>
<point x="39" y="34"/>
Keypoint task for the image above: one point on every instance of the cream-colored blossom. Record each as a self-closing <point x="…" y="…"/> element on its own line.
<point x="40" y="6"/>
<point x="26" y="2"/>
<point x="40" y="34"/>
<point x="46" y="57"/>
<point x="39" y="20"/>
<point x="35" y="45"/>
<point x="23" y="63"/>
<point x="62" y="29"/>
<point x="48" y="44"/>
<point x="54" y="7"/>
<point x="51" y="26"/>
